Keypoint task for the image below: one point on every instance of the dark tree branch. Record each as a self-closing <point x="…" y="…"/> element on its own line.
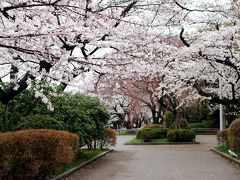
<point x="196" y="10"/>
<point x="125" y="11"/>
<point x="182" y="38"/>
<point x="9" y="93"/>
<point x="67" y="46"/>
<point x="214" y="97"/>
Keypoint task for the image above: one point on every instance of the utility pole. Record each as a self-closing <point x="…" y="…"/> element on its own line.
<point x="221" y="106"/>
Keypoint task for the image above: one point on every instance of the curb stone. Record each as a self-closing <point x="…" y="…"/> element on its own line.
<point x="74" y="169"/>
<point x="228" y="157"/>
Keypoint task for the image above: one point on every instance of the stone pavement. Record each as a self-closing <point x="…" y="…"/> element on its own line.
<point x="160" y="162"/>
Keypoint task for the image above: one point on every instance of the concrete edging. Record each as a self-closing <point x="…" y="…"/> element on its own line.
<point x="71" y="171"/>
<point x="228" y="157"/>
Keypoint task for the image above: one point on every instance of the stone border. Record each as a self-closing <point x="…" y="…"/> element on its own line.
<point x="163" y="143"/>
<point x="226" y="156"/>
<point x="74" y="169"/>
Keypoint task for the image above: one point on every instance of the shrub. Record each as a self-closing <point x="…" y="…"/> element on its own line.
<point x="222" y="137"/>
<point x="234" y="136"/>
<point x="203" y="124"/>
<point x="153" y="126"/>
<point x="83" y="115"/>
<point x="169" y="118"/>
<point x="38" y="121"/>
<point x="110" y="138"/>
<point x="76" y="113"/>
<point x="148" y="134"/>
<point x="184" y="124"/>
<point x="181" y="135"/>
<point x="35" y="154"/>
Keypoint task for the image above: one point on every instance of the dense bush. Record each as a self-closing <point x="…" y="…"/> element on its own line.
<point x="180" y="135"/>
<point x="197" y="112"/>
<point x="110" y="138"/>
<point x="35" y="154"/>
<point x="203" y="124"/>
<point x="169" y="118"/>
<point x="76" y="113"/>
<point x="153" y="126"/>
<point x="38" y="121"/>
<point x="222" y="137"/>
<point x="83" y="115"/>
<point x="234" y="136"/>
<point x="148" y="134"/>
<point x="184" y="124"/>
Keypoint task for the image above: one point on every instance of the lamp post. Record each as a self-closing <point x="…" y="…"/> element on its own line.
<point x="221" y="106"/>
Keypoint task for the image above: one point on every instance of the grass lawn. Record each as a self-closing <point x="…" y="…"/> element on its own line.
<point x="224" y="149"/>
<point x="83" y="156"/>
<point x="138" y="141"/>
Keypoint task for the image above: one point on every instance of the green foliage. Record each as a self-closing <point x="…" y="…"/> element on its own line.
<point x="169" y="118"/>
<point x="82" y="115"/>
<point x="204" y="124"/>
<point x="153" y="126"/>
<point x="109" y="138"/>
<point x="38" y="121"/>
<point x="77" y="113"/>
<point x="196" y="112"/>
<point x="180" y="135"/>
<point x="234" y="136"/>
<point x="184" y="124"/>
<point x="35" y="154"/>
<point x="148" y="134"/>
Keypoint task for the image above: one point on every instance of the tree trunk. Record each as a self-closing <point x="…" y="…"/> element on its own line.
<point x="155" y="117"/>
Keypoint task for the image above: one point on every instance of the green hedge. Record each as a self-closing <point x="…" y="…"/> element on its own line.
<point x="204" y="124"/>
<point x="148" y="134"/>
<point x="169" y="119"/>
<point x="181" y="135"/>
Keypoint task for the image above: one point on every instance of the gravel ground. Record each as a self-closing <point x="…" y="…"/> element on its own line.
<point x="160" y="162"/>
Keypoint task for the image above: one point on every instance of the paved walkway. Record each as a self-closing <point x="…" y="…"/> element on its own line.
<point x="160" y="162"/>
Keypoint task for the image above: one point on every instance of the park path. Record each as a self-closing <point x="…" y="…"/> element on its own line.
<point x="160" y="162"/>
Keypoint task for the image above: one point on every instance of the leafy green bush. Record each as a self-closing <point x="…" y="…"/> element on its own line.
<point x="181" y="135"/>
<point x="234" y="136"/>
<point x="83" y="115"/>
<point x="148" y="134"/>
<point x="184" y="124"/>
<point x="153" y="126"/>
<point x="38" y="121"/>
<point x="169" y="118"/>
<point x="76" y="113"/>
<point x="35" y="154"/>
<point x="203" y="124"/>
<point x="222" y="137"/>
<point x="110" y="138"/>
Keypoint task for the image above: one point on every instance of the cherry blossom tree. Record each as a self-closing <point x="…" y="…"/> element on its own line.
<point x="60" y="41"/>
<point x="212" y="52"/>
<point x="56" y="40"/>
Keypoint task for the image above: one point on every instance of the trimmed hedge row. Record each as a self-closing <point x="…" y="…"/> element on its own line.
<point x="181" y="135"/>
<point x="177" y="135"/>
<point x="148" y="134"/>
<point x="154" y="126"/>
<point x="35" y="154"/>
